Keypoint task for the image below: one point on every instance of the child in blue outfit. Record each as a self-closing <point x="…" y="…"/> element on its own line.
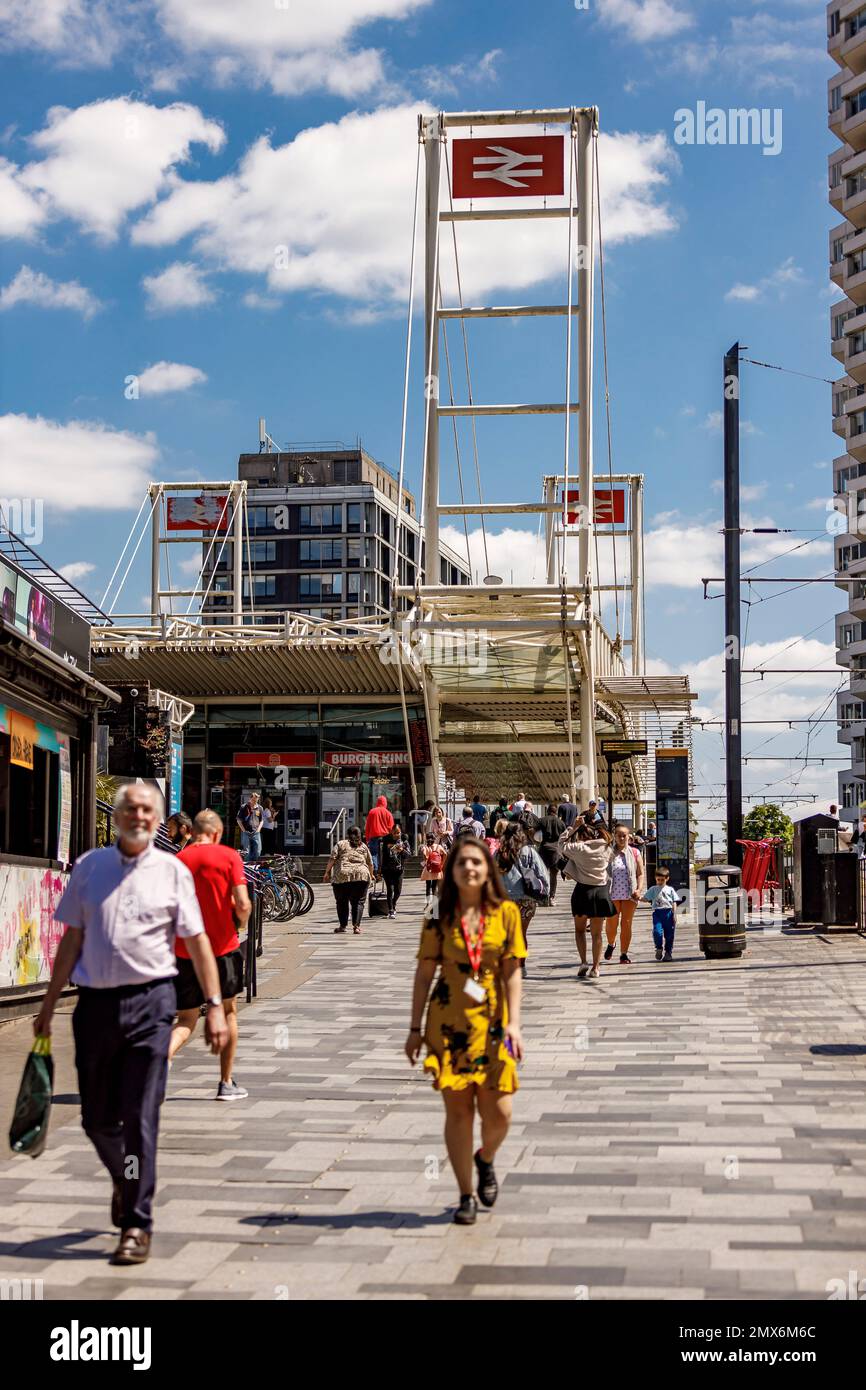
<point x="664" y="901"/>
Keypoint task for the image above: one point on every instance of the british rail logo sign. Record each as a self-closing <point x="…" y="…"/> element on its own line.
<point x="501" y="167"/>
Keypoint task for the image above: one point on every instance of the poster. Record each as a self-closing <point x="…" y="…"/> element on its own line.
<point x="22" y="737"/>
<point x="293" y="818"/>
<point x="335" y="800"/>
<point x="64" y="827"/>
<point x="175" y="791"/>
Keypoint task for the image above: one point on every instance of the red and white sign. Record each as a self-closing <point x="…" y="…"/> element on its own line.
<point x="274" y="759"/>
<point x="384" y="759"/>
<point x="524" y="166"/>
<point x="200" y="513"/>
<point x="608" y="506"/>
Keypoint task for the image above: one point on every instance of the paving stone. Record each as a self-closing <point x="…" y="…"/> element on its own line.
<point x="699" y="1148"/>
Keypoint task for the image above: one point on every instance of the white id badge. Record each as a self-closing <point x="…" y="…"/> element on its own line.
<point x="475" y="991"/>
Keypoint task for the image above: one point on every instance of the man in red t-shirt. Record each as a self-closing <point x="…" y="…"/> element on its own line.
<point x="221" y="889"/>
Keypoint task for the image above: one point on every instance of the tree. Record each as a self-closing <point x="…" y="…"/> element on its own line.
<point x="764" y="822"/>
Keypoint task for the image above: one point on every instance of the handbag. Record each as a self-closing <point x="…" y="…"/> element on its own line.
<point x="29" y="1129"/>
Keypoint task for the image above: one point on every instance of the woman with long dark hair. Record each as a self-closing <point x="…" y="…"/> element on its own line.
<point x="523" y="874"/>
<point x="473" y="1023"/>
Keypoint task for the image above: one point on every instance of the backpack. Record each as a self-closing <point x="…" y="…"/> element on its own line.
<point x="529" y="888"/>
<point x="530" y="822"/>
<point x="435" y="861"/>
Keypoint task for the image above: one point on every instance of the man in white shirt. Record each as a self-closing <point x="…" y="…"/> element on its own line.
<point x="123" y="907"/>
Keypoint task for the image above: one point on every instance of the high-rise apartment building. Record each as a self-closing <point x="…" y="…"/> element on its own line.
<point x="322" y="529"/>
<point x="846" y="44"/>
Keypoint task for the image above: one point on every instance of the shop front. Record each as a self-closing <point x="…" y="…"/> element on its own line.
<point x="311" y="761"/>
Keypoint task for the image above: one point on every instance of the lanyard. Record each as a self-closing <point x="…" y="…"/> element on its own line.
<point x="473" y="949"/>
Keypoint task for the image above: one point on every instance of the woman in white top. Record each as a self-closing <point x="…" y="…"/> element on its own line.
<point x="627" y="884"/>
<point x="586" y="850"/>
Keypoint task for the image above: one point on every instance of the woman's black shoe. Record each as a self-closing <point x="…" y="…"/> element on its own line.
<point x="488" y="1187"/>
<point x="467" y="1212"/>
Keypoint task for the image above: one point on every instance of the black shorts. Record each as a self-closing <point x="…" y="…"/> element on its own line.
<point x="189" y="991"/>
<point x="591" y="900"/>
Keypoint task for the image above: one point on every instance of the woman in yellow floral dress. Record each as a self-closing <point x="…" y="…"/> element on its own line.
<point x="473" y="1022"/>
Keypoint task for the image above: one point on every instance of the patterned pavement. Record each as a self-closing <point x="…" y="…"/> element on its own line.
<point x="685" y="1131"/>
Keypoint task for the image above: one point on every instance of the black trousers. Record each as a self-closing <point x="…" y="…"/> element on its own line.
<point x="350" y="898"/>
<point x="121" y="1055"/>
<point x="550" y="858"/>
<point x="393" y="888"/>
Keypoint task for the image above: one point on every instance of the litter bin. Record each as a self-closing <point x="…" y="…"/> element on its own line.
<point x="721" y="911"/>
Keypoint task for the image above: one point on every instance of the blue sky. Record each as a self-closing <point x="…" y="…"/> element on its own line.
<point x="153" y="155"/>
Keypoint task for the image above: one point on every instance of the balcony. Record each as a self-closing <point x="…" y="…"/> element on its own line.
<point x="855" y="358"/>
<point x="841" y="312"/>
<point x="835" y="104"/>
<point x="854" y="276"/>
<point x="835" y="181"/>
<point x="851" y="52"/>
<point x="853" y="126"/>
<point x="836" y="252"/>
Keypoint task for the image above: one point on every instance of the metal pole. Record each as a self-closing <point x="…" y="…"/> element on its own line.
<point x="237" y="558"/>
<point x="733" y="737"/>
<point x="154" y="492"/>
<point x="637" y="577"/>
<point x="550" y="529"/>
<point x="433" y="161"/>
<point x="586" y="125"/>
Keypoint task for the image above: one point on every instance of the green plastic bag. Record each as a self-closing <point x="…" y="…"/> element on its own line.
<point x="29" y="1129"/>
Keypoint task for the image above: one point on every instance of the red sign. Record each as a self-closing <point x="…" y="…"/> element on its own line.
<point x="274" y="759"/>
<point x="503" y="166"/>
<point x="608" y="507"/>
<point x="200" y="513"/>
<point x="383" y="759"/>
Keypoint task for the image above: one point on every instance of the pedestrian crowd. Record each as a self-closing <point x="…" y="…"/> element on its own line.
<point x="152" y="943"/>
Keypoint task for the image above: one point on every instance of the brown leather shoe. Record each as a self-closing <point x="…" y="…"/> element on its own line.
<point x="117" y="1201"/>
<point x="133" y="1249"/>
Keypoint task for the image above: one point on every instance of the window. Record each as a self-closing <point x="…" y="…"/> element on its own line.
<point x="261" y="518"/>
<point x="855" y="185"/>
<point x="836" y="173"/>
<point x="857" y="103"/>
<point x="857" y="422"/>
<point x="834" y="24"/>
<point x="321" y="518"/>
<point x="855" y="263"/>
<point x="836" y="97"/>
<point x="321" y="552"/>
<point x="264" y="586"/>
<point x="353" y="516"/>
<point x="856" y="23"/>
<point x="836" y="250"/>
<point x="319" y="586"/>
<point x="353" y="552"/>
<point x="353" y="585"/>
<point x="261" y="552"/>
<point x="29" y="804"/>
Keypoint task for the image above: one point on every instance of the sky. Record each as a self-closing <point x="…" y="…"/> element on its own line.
<point x="215" y="198"/>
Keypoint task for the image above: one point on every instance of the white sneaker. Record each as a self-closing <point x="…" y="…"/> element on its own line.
<point x="230" y="1090"/>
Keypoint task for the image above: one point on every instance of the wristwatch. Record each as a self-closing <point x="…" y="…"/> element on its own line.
<point x="213" y="1001"/>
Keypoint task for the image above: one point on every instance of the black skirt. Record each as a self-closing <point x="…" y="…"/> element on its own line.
<point x="591" y="900"/>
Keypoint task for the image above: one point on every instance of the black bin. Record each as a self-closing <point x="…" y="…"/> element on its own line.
<point x="839" y="884"/>
<point x="721" y="911"/>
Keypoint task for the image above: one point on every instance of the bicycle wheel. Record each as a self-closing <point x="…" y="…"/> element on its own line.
<point x="292" y="900"/>
<point x="271" y="906"/>
<point x="307" y="895"/>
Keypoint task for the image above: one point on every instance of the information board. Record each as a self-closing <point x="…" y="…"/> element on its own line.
<point x="672" y="813"/>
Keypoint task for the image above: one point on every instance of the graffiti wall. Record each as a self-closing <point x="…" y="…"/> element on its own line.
<point x="29" y="934"/>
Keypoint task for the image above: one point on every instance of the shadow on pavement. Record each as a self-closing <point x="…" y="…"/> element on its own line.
<point x="411" y="1219"/>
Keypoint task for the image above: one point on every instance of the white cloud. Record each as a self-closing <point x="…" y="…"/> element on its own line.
<point x="107" y="159"/>
<point x="82" y="465"/>
<point x="440" y="80"/>
<point x="332" y="211"/>
<point x="77" y="33"/>
<point x="180" y="286"/>
<point x="713" y="422"/>
<point x="777" y="283"/>
<point x="253" y="300"/>
<point x="163" y="377"/>
<point x="77" y="571"/>
<point x="33" y="287"/>
<point x="679" y="551"/>
<point x="20" y="211"/>
<point x="645" y="20"/>
<point x="293" y="45"/>
<point x="749" y="492"/>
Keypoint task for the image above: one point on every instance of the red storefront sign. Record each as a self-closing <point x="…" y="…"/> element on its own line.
<point x="207" y="512"/>
<point x="394" y="758"/>
<point x="608" y="506"/>
<point x="274" y="760"/>
<point x="523" y="166"/>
